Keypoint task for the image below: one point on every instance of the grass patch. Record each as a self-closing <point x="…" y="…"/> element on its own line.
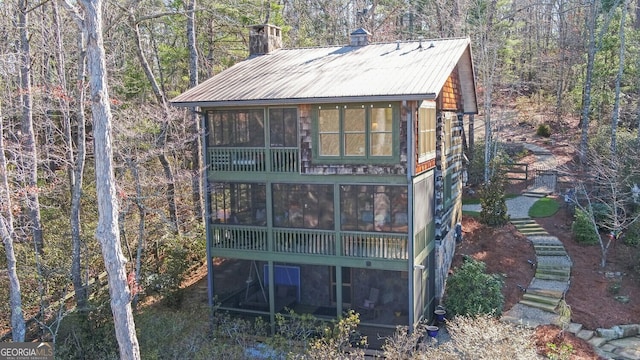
<point x="544" y="207"/>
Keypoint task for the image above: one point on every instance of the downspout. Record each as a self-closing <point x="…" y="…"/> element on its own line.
<point x="410" y="174"/>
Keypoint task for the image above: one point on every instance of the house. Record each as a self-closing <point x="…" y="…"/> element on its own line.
<point x="334" y="175"/>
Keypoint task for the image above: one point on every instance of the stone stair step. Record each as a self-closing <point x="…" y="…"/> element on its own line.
<point x="552" y="277"/>
<point x="541" y="299"/>
<point x="525" y="226"/>
<point x="551" y="253"/>
<point x="533" y="233"/>
<point x="548" y="246"/>
<point x="554" y="271"/>
<point x="546" y="307"/>
<point x="556" y="294"/>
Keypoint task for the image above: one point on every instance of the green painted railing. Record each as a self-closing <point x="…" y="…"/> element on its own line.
<point x="236" y="237"/>
<point x="254" y="159"/>
<point x="375" y="245"/>
<point x="313" y="242"/>
<point x="304" y="242"/>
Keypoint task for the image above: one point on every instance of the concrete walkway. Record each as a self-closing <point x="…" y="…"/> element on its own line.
<point x="543" y="302"/>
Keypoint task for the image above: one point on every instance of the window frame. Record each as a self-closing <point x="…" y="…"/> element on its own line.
<point x="368" y="157"/>
<point x="426" y="132"/>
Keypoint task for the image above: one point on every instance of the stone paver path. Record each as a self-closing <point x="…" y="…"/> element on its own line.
<point x="543" y="301"/>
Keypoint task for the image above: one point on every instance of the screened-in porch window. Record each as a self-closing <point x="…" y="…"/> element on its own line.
<point x="238" y="203"/>
<point x="373" y="208"/>
<point x="236" y="128"/>
<point x="283" y="127"/>
<point x="426" y="131"/>
<point x="308" y="206"/>
<point x="355" y="131"/>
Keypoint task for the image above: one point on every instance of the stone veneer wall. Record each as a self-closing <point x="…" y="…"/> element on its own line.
<point x="444" y="252"/>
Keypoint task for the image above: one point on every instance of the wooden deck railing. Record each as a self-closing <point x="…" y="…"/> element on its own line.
<point x="304" y="242"/>
<point x="254" y="159"/>
<point x="313" y="242"/>
<point x="375" y="245"/>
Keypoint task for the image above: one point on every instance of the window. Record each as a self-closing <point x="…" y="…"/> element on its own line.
<point x="308" y="206"/>
<point x="283" y="127"/>
<point x="426" y="131"/>
<point x="238" y="203"/>
<point x="363" y="131"/>
<point x="373" y="208"/>
<point x="236" y="128"/>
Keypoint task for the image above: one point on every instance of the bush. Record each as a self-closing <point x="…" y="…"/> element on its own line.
<point x="543" y="130"/>
<point x="471" y="291"/>
<point x="481" y="337"/>
<point x="493" y="206"/>
<point x="583" y="229"/>
<point x="632" y="235"/>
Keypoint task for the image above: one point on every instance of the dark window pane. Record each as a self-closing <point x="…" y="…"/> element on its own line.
<point x="283" y="127"/>
<point x="238" y="203"/>
<point x="303" y="206"/>
<point x="374" y="208"/>
<point x="240" y="128"/>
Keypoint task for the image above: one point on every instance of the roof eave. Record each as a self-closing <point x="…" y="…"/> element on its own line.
<point x="297" y="101"/>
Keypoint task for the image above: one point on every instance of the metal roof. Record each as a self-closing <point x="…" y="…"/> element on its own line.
<point x="414" y="70"/>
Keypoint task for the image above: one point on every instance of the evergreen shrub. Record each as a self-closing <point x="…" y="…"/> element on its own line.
<point x="543" y="130"/>
<point x="583" y="229"/>
<point x="471" y="291"/>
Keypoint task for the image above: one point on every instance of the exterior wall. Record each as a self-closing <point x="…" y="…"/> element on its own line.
<point x="448" y="180"/>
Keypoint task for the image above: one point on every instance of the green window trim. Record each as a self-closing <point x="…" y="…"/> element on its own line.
<point x="356" y="133"/>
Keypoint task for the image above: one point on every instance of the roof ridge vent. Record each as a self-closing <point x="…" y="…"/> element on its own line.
<point x="360" y="37"/>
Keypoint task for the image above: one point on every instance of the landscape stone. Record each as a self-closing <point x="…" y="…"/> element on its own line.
<point x="610" y="334"/>
<point x="632" y="354"/>
<point x="629" y="330"/>
<point x="629" y="342"/>
<point x="574" y="328"/>
<point x="585" y="334"/>
<point x="608" y="348"/>
<point x="597" y="341"/>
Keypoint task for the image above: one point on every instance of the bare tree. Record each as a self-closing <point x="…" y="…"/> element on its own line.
<point x="164" y="126"/>
<point x="196" y="144"/>
<point x="75" y="161"/>
<point x="107" y="231"/>
<point x="616" y="106"/>
<point x="18" y="327"/>
<point x="606" y="197"/>
<point x="29" y="157"/>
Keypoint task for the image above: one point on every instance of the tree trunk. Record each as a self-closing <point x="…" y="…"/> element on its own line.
<point x="162" y="139"/>
<point x="18" y="327"/>
<point x="29" y="156"/>
<point x="616" y="104"/>
<point x="75" y="162"/>
<point x="107" y="231"/>
<point x="196" y="145"/>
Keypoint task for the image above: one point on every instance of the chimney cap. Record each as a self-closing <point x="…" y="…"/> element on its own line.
<point x="360" y="37"/>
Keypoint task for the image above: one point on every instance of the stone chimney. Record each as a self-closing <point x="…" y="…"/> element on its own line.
<point x="264" y="39"/>
<point x="360" y="37"/>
